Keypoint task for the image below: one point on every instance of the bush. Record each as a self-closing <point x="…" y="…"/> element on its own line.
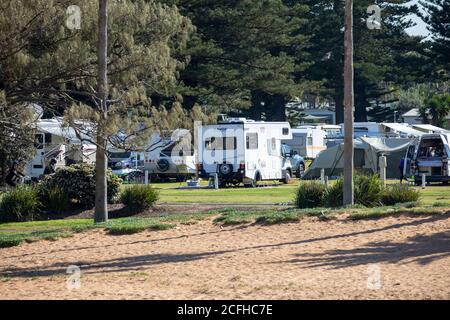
<point x="54" y="199"/>
<point x="369" y="190"/>
<point x="400" y="193"/>
<point x="78" y="183"/>
<point x="139" y="197"/>
<point x="19" y="204"/>
<point x="310" y="195"/>
<point x="334" y="195"/>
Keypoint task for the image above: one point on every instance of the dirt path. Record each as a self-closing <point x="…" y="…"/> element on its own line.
<point x="391" y="258"/>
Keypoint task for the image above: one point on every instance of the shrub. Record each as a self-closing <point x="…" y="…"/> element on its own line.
<point x="78" y="183"/>
<point x="54" y="199"/>
<point x="139" y="197"/>
<point x="310" y="195"/>
<point x="19" y="204"/>
<point x="334" y="195"/>
<point x="400" y="193"/>
<point x="369" y="190"/>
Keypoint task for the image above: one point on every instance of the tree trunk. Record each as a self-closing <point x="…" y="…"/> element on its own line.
<point x="360" y="104"/>
<point x="339" y="106"/>
<point x="348" y="105"/>
<point x="101" y="207"/>
<point x="277" y="108"/>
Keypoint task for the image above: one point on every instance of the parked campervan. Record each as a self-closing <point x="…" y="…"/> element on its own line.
<point x="60" y="144"/>
<point x="428" y="155"/>
<point x="170" y="155"/>
<point x="244" y="151"/>
<point x="307" y="141"/>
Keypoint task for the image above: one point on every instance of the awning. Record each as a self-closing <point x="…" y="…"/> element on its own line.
<point x="402" y="128"/>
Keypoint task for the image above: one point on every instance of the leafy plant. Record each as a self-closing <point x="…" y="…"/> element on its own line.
<point x="19" y="204"/>
<point x="400" y="193"/>
<point x="139" y="197"/>
<point x="78" y="183"/>
<point x="54" y="199"/>
<point x="369" y="190"/>
<point x="310" y="195"/>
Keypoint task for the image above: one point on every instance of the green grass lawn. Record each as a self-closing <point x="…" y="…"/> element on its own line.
<point x="278" y="193"/>
<point x="434" y="199"/>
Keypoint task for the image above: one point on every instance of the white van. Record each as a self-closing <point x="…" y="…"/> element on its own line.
<point x="308" y="141"/>
<point x="429" y="155"/>
<point x="244" y="151"/>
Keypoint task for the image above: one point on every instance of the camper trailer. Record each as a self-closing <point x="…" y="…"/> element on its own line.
<point x="244" y="151"/>
<point x="55" y="142"/>
<point x="428" y="155"/>
<point x="307" y="141"/>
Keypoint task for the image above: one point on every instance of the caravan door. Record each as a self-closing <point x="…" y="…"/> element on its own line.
<point x="409" y="164"/>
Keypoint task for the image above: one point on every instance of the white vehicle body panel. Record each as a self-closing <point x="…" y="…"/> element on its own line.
<point x="257" y="145"/>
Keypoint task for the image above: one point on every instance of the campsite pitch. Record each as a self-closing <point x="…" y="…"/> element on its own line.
<point x="401" y="257"/>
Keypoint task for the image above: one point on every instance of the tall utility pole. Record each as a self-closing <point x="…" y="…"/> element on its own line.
<point x="348" y="105"/>
<point x="101" y="206"/>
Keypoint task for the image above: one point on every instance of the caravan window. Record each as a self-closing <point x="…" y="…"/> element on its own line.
<point x="310" y="141"/>
<point x="39" y="141"/>
<point x="285" y="131"/>
<point x="221" y="143"/>
<point x="48" y="138"/>
<point x="252" y="141"/>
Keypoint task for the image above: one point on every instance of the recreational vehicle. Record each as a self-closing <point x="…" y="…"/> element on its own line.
<point x="58" y="143"/>
<point x="170" y="155"/>
<point x="307" y="141"/>
<point x="166" y="155"/>
<point x="428" y="155"/>
<point x="244" y="151"/>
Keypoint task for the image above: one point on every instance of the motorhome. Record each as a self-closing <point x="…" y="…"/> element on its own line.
<point x="308" y="142"/>
<point x="244" y="151"/>
<point x="170" y="155"/>
<point x="165" y="155"/>
<point x="428" y="155"/>
<point x="55" y="141"/>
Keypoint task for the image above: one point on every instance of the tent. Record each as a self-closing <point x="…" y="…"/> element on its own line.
<point x="367" y="152"/>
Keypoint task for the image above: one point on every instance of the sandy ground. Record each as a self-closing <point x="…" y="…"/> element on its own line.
<point x="390" y="258"/>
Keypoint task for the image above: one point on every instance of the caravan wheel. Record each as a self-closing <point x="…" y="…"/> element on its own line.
<point x="254" y="182"/>
<point x="301" y="170"/>
<point x="287" y="177"/>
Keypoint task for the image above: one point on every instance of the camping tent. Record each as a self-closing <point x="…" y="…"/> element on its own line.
<point x="367" y="152"/>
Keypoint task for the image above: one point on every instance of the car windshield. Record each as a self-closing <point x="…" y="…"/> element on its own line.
<point x="120" y="155"/>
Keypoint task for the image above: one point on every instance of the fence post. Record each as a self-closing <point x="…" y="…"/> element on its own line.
<point x="322" y="176"/>
<point x="146" y="177"/>
<point x="216" y="181"/>
<point x="326" y="181"/>
<point x="383" y="164"/>
<point x="424" y="181"/>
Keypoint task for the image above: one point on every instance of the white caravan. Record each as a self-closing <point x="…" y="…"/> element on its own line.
<point x="170" y="155"/>
<point x="244" y="151"/>
<point x="428" y="155"/>
<point x="307" y="141"/>
<point x="165" y="155"/>
<point x="58" y="142"/>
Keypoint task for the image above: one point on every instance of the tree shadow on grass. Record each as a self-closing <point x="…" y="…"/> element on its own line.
<point x="421" y="249"/>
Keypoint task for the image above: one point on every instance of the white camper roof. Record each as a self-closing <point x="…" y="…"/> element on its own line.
<point x="403" y="129"/>
<point x="55" y="127"/>
<point x="428" y="128"/>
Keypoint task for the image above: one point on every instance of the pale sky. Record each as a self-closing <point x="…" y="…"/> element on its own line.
<point x="421" y="27"/>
